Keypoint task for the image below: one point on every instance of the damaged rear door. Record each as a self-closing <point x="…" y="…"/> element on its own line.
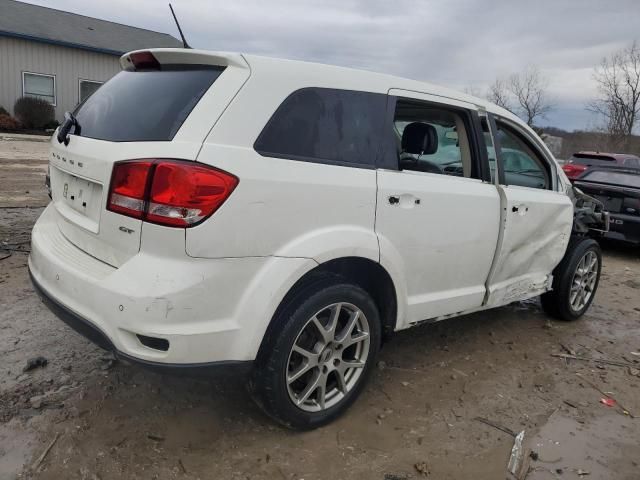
<point x="536" y="217"/>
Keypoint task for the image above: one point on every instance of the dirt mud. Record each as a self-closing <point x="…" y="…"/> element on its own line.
<point x="85" y="416"/>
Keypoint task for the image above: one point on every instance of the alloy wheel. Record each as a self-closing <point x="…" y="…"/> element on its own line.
<point x="584" y="280"/>
<point x="328" y="357"/>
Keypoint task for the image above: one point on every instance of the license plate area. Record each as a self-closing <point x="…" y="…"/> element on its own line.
<point x="78" y="199"/>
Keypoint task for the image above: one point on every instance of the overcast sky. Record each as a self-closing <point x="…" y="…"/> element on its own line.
<point x="457" y="43"/>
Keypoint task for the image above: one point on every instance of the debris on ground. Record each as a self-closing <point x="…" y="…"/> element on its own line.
<point x="607" y="395"/>
<point x="595" y="360"/>
<point x="609" y="402"/>
<point x="393" y="476"/>
<point x="44" y="454"/>
<point x="422" y="468"/>
<point x="496" y="425"/>
<point x="517" y="455"/>
<point x="35" y="362"/>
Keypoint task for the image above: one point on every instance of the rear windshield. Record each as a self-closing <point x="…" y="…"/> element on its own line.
<point x="614" y="178"/>
<point x="144" y="105"/>
<point x="586" y="159"/>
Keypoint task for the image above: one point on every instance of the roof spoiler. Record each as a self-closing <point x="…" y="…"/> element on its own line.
<point x="181" y="56"/>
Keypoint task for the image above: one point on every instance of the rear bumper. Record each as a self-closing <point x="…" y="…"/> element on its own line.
<point x="204" y="310"/>
<point x="625" y="228"/>
<point x="93" y="333"/>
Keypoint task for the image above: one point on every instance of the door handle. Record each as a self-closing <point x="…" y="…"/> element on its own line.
<point x="406" y="200"/>
<point x="520" y="209"/>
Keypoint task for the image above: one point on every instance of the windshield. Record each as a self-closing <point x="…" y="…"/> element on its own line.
<point x="143" y="105"/>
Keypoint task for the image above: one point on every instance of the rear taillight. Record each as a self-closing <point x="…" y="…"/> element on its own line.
<point x="129" y="182"/>
<point x="174" y="193"/>
<point x="573" y="170"/>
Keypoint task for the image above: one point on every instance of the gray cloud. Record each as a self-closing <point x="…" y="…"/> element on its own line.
<point x="457" y="43"/>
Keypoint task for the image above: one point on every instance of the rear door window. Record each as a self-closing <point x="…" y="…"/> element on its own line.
<point x="144" y="105"/>
<point x="443" y="131"/>
<point x="325" y="125"/>
<point x="521" y="163"/>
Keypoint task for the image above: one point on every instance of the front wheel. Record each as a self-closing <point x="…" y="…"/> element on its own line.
<point x="575" y="280"/>
<point x="314" y="367"/>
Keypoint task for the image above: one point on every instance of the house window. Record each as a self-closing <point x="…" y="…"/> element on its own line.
<point x="39" y="85"/>
<point x="87" y="88"/>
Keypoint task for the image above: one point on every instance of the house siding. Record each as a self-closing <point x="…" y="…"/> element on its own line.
<point x="68" y="65"/>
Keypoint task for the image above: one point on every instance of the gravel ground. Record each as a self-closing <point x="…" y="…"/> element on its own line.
<point x="416" y="419"/>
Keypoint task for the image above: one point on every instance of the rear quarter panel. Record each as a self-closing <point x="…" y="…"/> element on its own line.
<point x="281" y="207"/>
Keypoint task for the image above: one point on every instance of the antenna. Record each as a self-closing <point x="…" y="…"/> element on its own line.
<point x="184" y="41"/>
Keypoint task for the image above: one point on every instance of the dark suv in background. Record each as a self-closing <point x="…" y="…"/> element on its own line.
<point x="581" y="162"/>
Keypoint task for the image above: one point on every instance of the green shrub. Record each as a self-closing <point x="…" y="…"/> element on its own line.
<point x="33" y="112"/>
<point x="3" y="111"/>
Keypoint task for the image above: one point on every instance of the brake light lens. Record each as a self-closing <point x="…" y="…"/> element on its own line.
<point x="144" y="61"/>
<point x="573" y="170"/>
<point x="173" y="193"/>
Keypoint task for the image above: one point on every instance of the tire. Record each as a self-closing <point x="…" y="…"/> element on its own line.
<point x="293" y="324"/>
<point x="558" y="302"/>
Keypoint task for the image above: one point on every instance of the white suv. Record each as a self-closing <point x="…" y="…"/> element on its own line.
<point x="222" y="209"/>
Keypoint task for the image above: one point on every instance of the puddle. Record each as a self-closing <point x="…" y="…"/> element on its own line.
<point x="602" y="448"/>
<point x="16" y="448"/>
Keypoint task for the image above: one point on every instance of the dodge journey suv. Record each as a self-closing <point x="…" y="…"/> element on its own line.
<point x="221" y="209"/>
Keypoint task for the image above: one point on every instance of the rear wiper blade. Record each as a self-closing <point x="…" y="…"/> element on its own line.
<point x="63" y="132"/>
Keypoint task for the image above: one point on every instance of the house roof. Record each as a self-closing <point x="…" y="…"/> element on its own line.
<point x="43" y="24"/>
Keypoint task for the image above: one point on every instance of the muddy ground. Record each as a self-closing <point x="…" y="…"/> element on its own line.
<point x="417" y="418"/>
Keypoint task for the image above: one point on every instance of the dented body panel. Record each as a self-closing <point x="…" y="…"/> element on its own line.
<point x="534" y="232"/>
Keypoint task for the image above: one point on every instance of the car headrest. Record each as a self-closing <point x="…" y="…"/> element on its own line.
<point x="419" y="139"/>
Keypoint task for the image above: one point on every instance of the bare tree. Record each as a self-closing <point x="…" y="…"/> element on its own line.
<point x="472" y="90"/>
<point x="499" y="94"/>
<point x="529" y="89"/>
<point x="618" y="81"/>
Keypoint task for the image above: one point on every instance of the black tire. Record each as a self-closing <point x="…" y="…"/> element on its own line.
<point x="557" y="302"/>
<point x="268" y="384"/>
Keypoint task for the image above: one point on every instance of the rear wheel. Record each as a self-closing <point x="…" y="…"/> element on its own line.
<point x="575" y="280"/>
<point x="312" y="370"/>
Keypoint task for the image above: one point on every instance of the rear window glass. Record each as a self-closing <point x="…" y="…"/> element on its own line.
<point x="327" y="126"/>
<point x="584" y="159"/>
<point x="614" y="178"/>
<point x="144" y="105"/>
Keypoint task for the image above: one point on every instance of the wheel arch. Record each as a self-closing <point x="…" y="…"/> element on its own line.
<point x="364" y="272"/>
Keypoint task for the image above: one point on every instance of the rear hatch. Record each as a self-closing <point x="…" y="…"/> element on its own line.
<point x="162" y="105"/>
<point x="617" y="189"/>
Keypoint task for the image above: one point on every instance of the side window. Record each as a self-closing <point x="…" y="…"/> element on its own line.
<point x="432" y="139"/>
<point x="326" y="126"/>
<point x="522" y="165"/>
<point x="39" y="85"/>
